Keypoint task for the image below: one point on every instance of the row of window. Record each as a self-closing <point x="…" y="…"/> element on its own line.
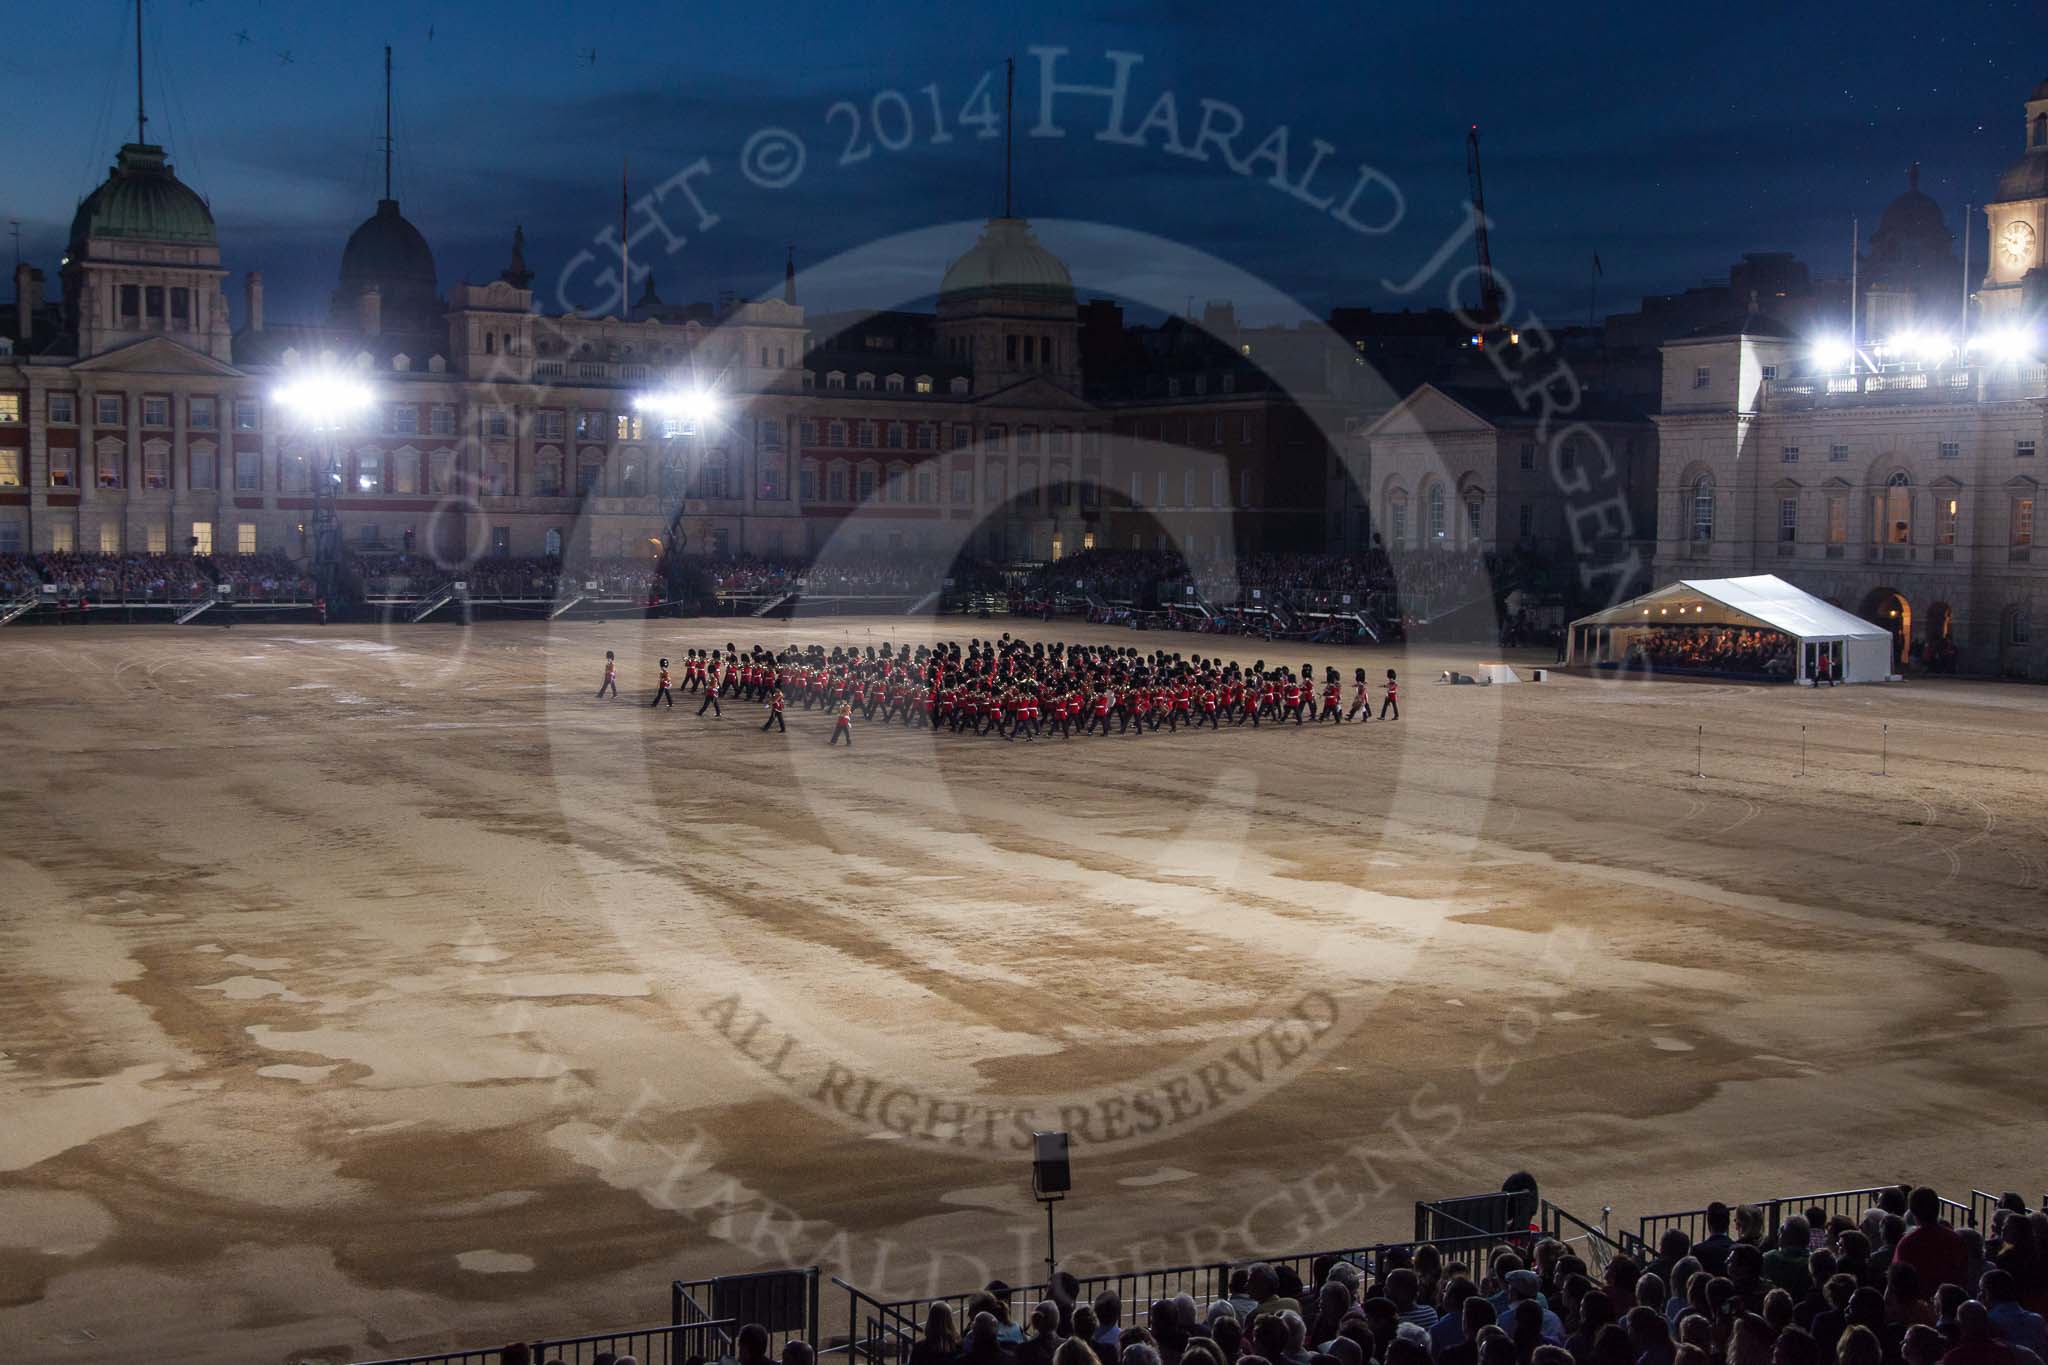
<point x="839" y="481"/>
<point x="1436" y="511"/>
<point x="1193" y="429"/>
<point x="202" y="411"/>
<point x="824" y="432"/>
<point x="2022" y="449"/>
<point x="64" y="538"/>
<point x="894" y="383"/>
<point x="1891" y="515"/>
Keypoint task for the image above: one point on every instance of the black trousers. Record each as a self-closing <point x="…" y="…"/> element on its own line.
<point x="1390" y="704"/>
<point x="610" y="685"/>
<point x="844" y="732"/>
<point x="659" y="694"/>
<point x="775" y="719"/>
<point x="710" y="702"/>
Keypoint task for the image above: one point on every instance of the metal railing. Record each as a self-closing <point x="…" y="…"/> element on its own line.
<point x="1850" y="1203"/>
<point x="664" y="1344"/>
<point x="784" y="1303"/>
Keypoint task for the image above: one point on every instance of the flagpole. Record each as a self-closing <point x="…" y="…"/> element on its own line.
<point x="625" y="252"/>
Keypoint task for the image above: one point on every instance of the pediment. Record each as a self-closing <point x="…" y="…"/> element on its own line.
<point x="1037" y="393"/>
<point x="156" y="355"/>
<point x="1427" y="411"/>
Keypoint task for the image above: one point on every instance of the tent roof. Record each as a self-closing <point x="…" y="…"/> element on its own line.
<point x="1765" y="598"/>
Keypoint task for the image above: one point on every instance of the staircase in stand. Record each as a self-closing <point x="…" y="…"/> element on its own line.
<point x="433" y="602"/>
<point x="565" y="604"/>
<point x="917" y="607"/>
<point x="192" y="611"/>
<point x="772" y="604"/>
<point x="20" y="607"/>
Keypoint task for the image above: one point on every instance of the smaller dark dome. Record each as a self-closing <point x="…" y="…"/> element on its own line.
<point x="388" y="251"/>
<point x="1914" y="214"/>
<point x="2040" y="93"/>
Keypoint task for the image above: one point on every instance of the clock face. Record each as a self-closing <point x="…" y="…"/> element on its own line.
<point x="2016" y="244"/>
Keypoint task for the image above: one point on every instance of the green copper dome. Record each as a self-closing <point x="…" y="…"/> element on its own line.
<point x="1008" y="262"/>
<point x="143" y="201"/>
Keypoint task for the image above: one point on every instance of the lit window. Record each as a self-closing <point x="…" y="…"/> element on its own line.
<point x="245" y="538"/>
<point x="2023" y="521"/>
<point x="10" y="408"/>
<point x="10" y="469"/>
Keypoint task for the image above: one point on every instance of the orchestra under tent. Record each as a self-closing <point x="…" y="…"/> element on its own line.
<point x="1760" y="628"/>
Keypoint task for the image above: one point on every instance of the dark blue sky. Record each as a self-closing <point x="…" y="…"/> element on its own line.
<point x="1669" y="139"/>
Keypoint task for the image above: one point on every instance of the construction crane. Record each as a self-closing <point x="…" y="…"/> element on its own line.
<point x="1489" y="292"/>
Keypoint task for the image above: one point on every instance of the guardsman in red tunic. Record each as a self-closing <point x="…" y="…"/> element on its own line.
<point x="711" y="681"/>
<point x="842" y="728"/>
<point x="1361" y="697"/>
<point x="1333" y="697"/>
<point x="1209" y="705"/>
<point x="775" y="713"/>
<point x="611" y="677"/>
<point x="1290" y="694"/>
<point x="661" y="689"/>
<point x="1393" y="701"/>
<point x="1104" y="700"/>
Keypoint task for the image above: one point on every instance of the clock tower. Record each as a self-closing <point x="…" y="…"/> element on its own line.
<point x="2015" y="285"/>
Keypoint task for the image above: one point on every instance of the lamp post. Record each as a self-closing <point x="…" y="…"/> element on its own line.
<point x="683" y="413"/>
<point x="325" y="402"/>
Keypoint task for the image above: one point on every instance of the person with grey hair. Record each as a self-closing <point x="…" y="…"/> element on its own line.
<point x="795" y="1352"/>
<point x="1044" y="1341"/>
<point x="1138" y="1353"/>
<point x="1297" y="1337"/>
<point x="1785" y="1265"/>
<point x="984" y="1343"/>
<point x="1525" y="1286"/>
<point x="1190" y="1314"/>
<point x="1333" y="1301"/>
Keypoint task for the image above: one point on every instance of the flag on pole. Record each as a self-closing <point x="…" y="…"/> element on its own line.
<point x="625" y="253"/>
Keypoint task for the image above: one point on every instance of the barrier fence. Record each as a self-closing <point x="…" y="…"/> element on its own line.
<point x="1850" y="1203"/>
<point x="665" y="1344"/>
<point x="707" y="1314"/>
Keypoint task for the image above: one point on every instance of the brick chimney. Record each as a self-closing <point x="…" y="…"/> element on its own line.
<point x="252" y="287"/>
<point x="28" y="301"/>
<point x="370" y="310"/>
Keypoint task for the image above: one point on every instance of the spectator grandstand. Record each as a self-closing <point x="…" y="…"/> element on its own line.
<point x="1325" y="597"/>
<point x="1888" y="1275"/>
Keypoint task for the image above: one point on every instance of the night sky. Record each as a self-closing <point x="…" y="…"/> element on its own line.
<point x="1668" y="139"/>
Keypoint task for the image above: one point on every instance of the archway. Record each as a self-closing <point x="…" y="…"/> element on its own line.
<point x="1889" y="608"/>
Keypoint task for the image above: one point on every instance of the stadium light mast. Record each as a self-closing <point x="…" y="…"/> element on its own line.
<point x="684" y="413"/>
<point x="325" y="402"/>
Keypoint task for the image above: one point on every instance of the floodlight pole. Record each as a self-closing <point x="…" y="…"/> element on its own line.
<point x="1051" y="1253"/>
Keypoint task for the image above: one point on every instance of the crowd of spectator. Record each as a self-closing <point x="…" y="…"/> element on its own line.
<point x="154" y="578"/>
<point x="1898" y="1286"/>
<point x="1426" y="581"/>
<point x="1712" y="649"/>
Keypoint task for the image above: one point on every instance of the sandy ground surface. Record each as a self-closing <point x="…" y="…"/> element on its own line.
<point x="371" y="991"/>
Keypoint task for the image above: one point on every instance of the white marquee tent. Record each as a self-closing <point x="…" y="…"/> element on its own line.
<point x="1621" y="636"/>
